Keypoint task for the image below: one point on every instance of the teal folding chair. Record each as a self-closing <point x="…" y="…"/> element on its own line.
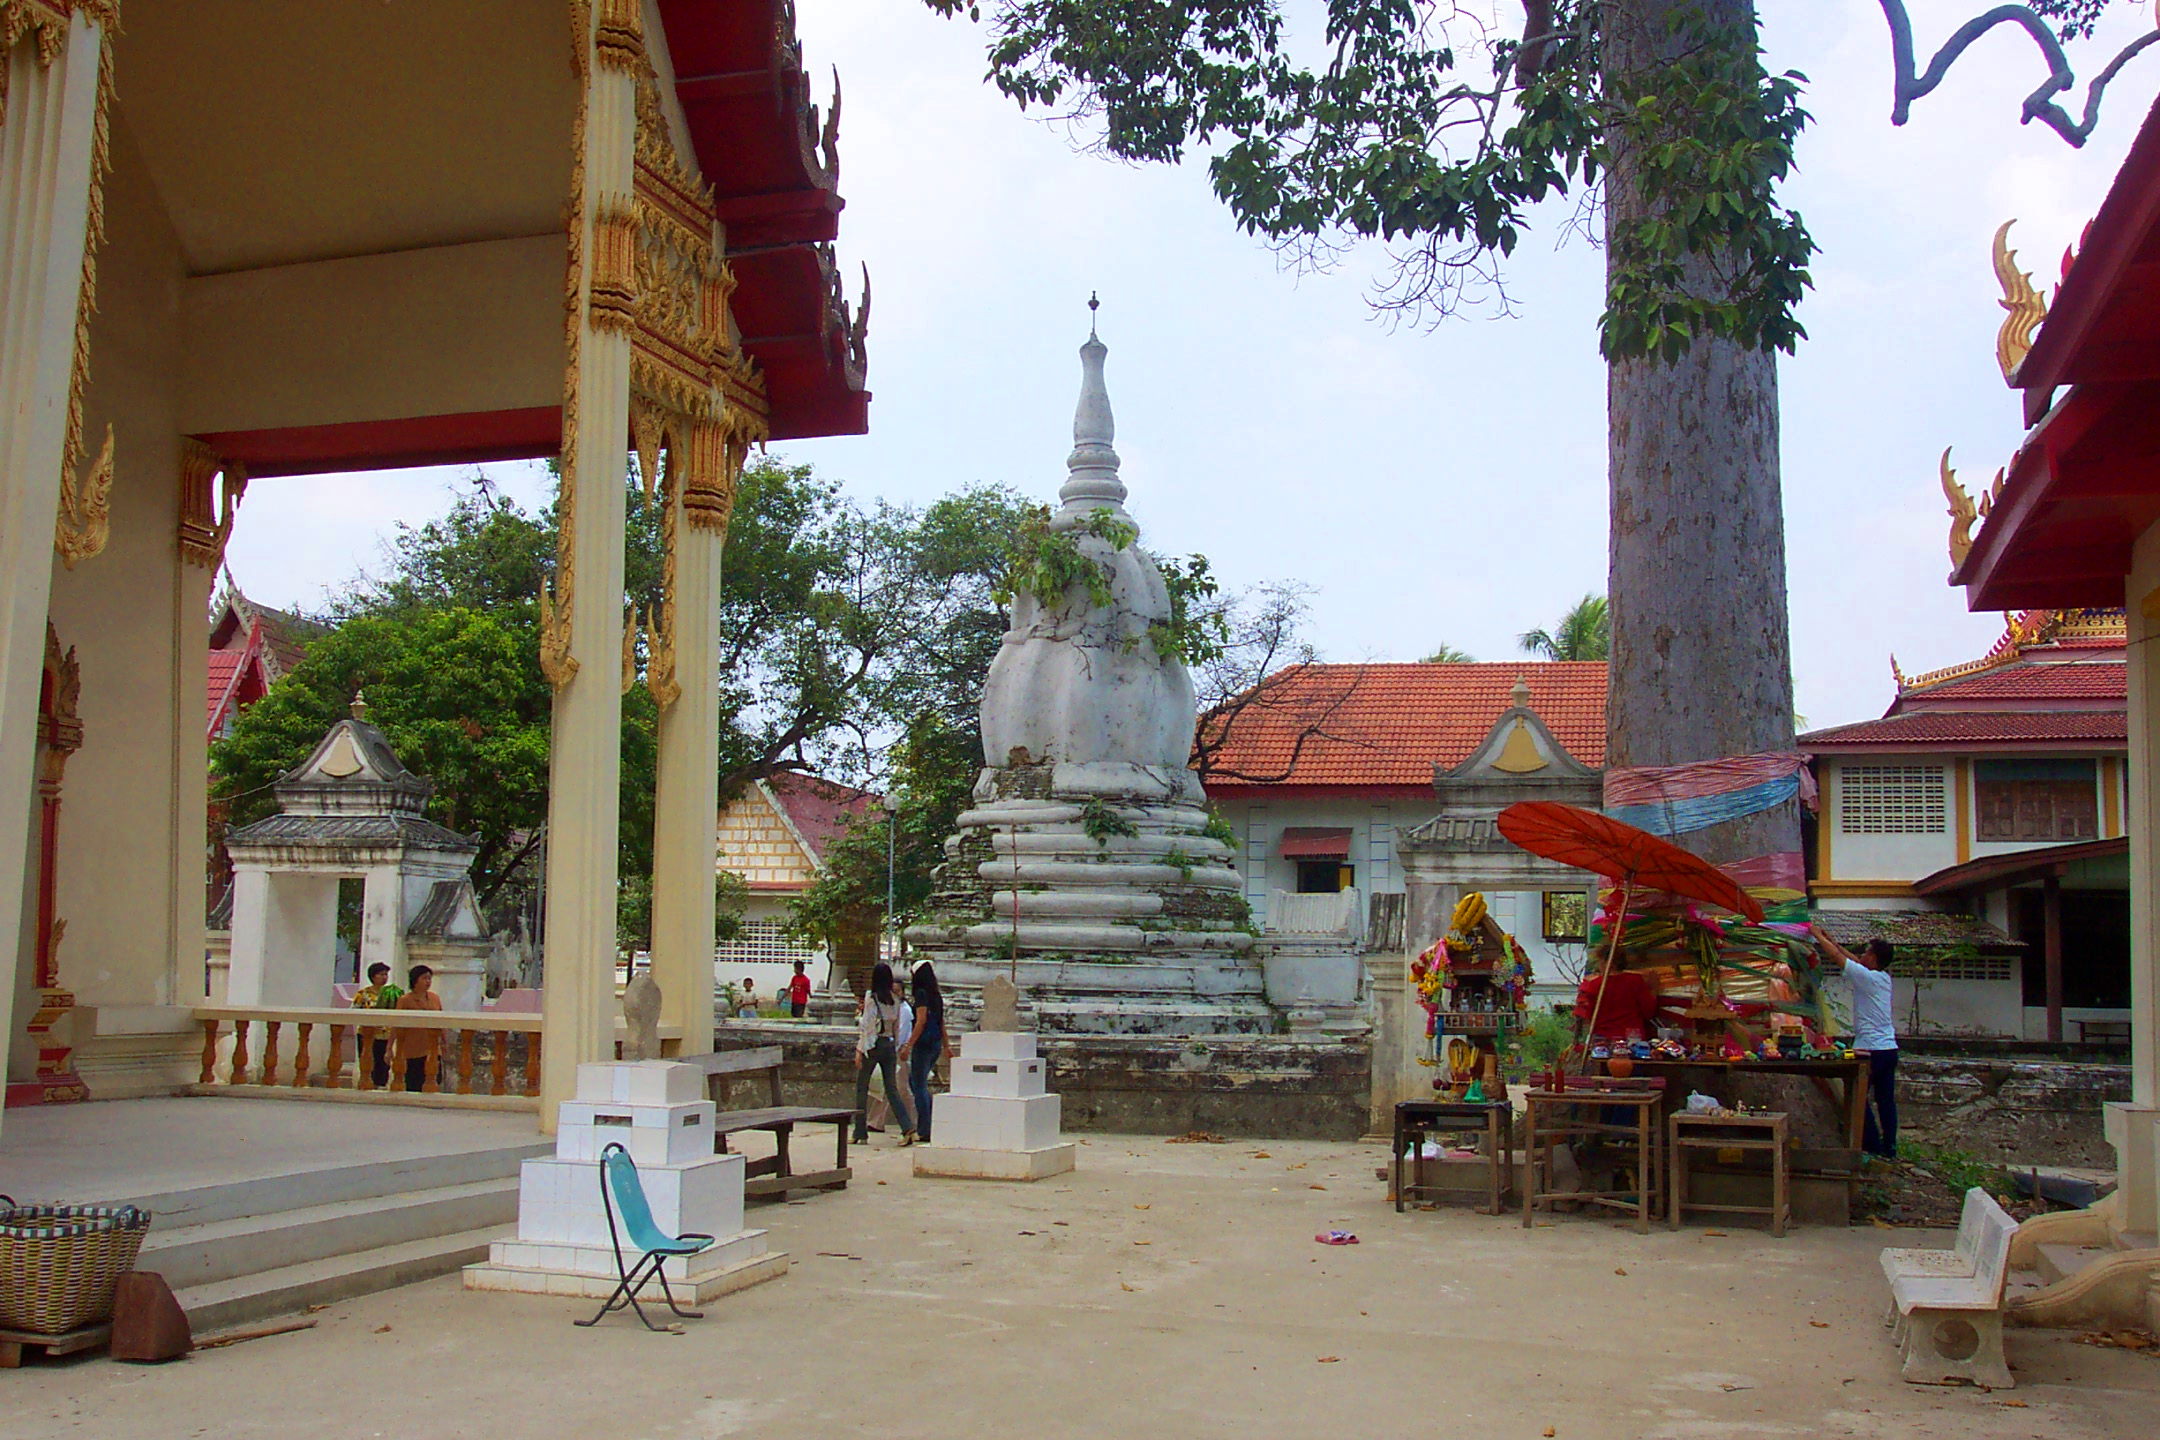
<point x="618" y="1174"/>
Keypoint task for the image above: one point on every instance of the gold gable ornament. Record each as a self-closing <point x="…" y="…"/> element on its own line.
<point x="1519" y="754"/>
<point x="2025" y="307"/>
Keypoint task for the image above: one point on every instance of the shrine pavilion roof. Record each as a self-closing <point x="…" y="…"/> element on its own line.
<point x="1386" y="726"/>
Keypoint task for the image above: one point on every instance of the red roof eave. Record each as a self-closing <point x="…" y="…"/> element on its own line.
<point x="2118" y="235"/>
<point x="745" y="100"/>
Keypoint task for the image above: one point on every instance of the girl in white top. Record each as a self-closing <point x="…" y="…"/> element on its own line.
<point x="877" y="1042"/>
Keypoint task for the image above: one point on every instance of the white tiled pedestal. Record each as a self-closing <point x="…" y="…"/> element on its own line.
<point x="999" y="1121"/>
<point x="657" y="1110"/>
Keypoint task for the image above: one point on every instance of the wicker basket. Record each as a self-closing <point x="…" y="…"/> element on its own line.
<point x="59" y="1263"/>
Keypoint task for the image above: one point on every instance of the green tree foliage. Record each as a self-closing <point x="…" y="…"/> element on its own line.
<point x="457" y="691"/>
<point x="1584" y="633"/>
<point x="1418" y="127"/>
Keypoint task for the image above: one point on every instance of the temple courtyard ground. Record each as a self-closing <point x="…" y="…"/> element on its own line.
<point x="1161" y="1290"/>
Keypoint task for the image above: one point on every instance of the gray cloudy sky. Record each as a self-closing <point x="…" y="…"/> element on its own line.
<point x="1443" y="485"/>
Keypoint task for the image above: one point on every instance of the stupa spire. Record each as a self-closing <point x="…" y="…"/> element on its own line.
<point x="1092" y="480"/>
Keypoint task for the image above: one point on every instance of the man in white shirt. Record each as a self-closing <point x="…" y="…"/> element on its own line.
<point x="1874" y="1033"/>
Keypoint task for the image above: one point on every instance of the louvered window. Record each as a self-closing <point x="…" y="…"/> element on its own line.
<point x="1892" y="800"/>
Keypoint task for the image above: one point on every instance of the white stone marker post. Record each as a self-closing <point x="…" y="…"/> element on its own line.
<point x="999" y="1121"/>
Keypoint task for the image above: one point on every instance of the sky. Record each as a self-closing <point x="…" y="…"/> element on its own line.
<point x="1442" y="484"/>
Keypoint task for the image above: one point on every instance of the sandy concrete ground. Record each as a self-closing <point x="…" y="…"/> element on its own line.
<point x="1162" y="1290"/>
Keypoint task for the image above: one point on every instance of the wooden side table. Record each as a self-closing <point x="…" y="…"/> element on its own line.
<point x="1417" y="1119"/>
<point x="1687" y="1132"/>
<point x="1555" y="1116"/>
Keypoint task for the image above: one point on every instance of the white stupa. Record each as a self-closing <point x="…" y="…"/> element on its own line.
<point x="1084" y="870"/>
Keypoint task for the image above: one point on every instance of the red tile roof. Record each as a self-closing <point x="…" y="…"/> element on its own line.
<point x="2067" y="680"/>
<point x="224" y="664"/>
<point x="818" y="809"/>
<point x="1389" y="725"/>
<point x="2080" y="728"/>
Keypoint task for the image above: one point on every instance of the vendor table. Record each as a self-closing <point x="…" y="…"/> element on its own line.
<point x="1417" y="1119"/>
<point x="1687" y="1132"/>
<point x="1853" y="1074"/>
<point x="1554" y="1116"/>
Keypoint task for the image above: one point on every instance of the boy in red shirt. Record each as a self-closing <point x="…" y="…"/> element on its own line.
<point x="798" y="992"/>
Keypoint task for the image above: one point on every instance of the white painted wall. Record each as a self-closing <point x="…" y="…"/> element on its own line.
<point x="1372" y="825"/>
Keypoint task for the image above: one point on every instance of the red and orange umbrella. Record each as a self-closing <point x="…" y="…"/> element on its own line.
<point x="1635" y="858"/>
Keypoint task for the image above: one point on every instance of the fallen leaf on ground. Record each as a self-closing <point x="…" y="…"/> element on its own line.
<point x="1330" y="1360"/>
<point x="1548" y="1430"/>
<point x="1316" y="1187"/>
<point x="1819" y="1324"/>
<point x="1721" y="1234"/>
<point x="382" y="1329"/>
<point x="1879" y="1223"/>
<point x="1300" y="1165"/>
<point x="1619" y="1270"/>
<point x="2013" y="1404"/>
<point x="1195" y="1137"/>
<point x="1061" y="1222"/>
<point x="1728" y="1387"/>
<point x="1262" y="1155"/>
<point x="1143" y="1207"/>
<point x="1143" y="1242"/>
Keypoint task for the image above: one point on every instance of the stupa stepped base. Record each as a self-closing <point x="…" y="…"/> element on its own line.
<point x="1208" y="995"/>
<point x="523" y="1268"/>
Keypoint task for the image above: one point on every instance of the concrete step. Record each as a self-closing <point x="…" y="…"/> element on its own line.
<point x="340" y="1277"/>
<point x="210" y="1204"/>
<point x="1230" y="1017"/>
<point x="196" y="1255"/>
<point x="2059" y="1262"/>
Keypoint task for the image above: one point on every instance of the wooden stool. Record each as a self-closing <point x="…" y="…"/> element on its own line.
<point x="1685" y="1132"/>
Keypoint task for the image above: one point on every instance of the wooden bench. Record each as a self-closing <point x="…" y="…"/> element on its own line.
<point x="773" y="1174"/>
<point x="1946" y="1305"/>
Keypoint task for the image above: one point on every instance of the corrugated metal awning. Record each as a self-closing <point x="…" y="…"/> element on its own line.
<point x="1312" y="842"/>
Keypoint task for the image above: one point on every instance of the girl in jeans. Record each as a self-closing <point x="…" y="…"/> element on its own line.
<point x="875" y="1041"/>
<point x="924" y="1044"/>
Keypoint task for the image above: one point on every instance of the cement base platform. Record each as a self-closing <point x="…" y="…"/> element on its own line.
<point x="956" y="1163"/>
<point x="711" y="1286"/>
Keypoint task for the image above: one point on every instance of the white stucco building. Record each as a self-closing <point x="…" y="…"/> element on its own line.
<point x="1983" y="814"/>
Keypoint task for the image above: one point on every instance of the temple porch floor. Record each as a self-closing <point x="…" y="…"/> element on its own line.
<point x="1160" y="1289"/>
<point x="140" y="1150"/>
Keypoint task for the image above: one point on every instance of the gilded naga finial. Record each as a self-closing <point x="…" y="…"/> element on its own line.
<point x="2026" y="306"/>
<point x="1962" y="513"/>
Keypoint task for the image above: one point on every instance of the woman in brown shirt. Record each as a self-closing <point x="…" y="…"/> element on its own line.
<point x="418" y="1049"/>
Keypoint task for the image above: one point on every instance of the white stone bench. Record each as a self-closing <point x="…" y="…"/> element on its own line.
<point x="1946" y="1305"/>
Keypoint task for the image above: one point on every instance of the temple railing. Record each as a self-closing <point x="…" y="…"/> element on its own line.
<point x="302" y="1049"/>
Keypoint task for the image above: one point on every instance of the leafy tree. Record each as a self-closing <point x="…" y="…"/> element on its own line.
<point x="1449" y="655"/>
<point x="1261" y="676"/>
<point x="1584" y="633"/>
<point x="1660" y="114"/>
<point x="459" y="695"/>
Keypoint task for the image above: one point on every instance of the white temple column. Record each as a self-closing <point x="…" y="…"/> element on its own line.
<point x="584" y="769"/>
<point x="686" y="794"/>
<point x="46" y="144"/>
<point x="2134" y="1129"/>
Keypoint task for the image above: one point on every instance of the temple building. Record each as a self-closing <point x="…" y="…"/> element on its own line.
<point x="363" y="237"/>
<point x="2073" y="520"/>
<point x="252" y="647"/>
<point x="1981" y="827"/>
<point x="1325" y="771"/>
<point x="773" y="835"/>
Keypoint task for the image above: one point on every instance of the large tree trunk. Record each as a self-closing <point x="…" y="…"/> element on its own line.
<point x="1701" y="661"/>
